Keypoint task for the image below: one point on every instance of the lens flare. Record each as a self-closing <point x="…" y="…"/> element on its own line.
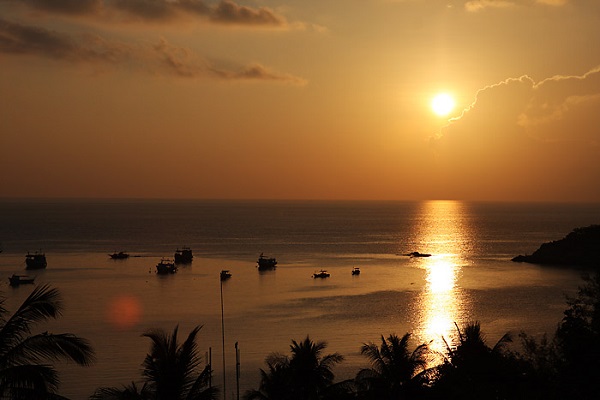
<point x="124" y="312"/>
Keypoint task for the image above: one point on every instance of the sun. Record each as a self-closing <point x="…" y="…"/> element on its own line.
<point x="442" y="104"/>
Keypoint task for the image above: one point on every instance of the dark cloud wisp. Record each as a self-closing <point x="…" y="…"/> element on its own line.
<point x="225" y="12"/>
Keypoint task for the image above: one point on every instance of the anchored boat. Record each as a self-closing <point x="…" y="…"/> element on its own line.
<point x="36" y="260"/>
<point x="321" y="274"/>
<point x="166" y="266"/>
<point x="266" y="263"/>
<point x="183" y="256"/>
<point x="17" y="280"/>
<point x="119" y="256"/>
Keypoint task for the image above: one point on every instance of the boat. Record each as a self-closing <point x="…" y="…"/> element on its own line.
<point x="266" y="263"/>
<point x="225" y="274"/>
<point x="183" y="256"/>
<point x="119" y="256"/>
<point x="417" y="254"/>
<point x="35" y="261"/>
<point x="16" y="280"/>
<point x="321" y="274"/>
<point x="356" y="271"/>
<point x="166" y="266"/>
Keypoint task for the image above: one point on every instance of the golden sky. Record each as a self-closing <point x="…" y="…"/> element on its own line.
<point x="312" y="99"/>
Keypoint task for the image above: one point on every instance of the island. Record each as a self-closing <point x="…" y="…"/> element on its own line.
<point x="580" y="248"/>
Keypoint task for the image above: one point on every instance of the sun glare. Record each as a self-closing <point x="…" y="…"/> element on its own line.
<point x="442" y="104"/>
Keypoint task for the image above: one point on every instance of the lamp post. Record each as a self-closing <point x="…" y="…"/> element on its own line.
<point x="223" y="339"/>
<point x="237" y="369"/>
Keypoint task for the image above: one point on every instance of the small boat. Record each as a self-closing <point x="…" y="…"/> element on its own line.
<point x="119" y="256"/>
<point x="183" y="256"/>
<point x="321" y="274"/>
<point x="356" y="271"/>
<point x="265" y="263"/>
<point x="17" y="280"/>
<point x="225" y="274"/>
<point x="166" y="266"/>
<point x="417" y="254"/>
<point x="35" y="261"/>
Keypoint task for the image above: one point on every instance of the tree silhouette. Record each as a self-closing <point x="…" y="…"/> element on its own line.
<point x="306" y="375"/>
<point x="26" y="370"/>
<point x="473" y="370"/>
<point x="395" y="371"/>
<point x="170" y="372"/>
<point x="274" y="383"/>
<point x="578" y="342"/>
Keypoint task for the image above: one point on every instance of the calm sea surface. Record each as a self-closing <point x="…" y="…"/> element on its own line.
<point x="468" y="277"/>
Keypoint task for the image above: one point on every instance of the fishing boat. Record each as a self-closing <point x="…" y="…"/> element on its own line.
<point x="119" y="256"/>
<point x="356" y="271"/>
<point x="417" y="254"/>
<point x="266" y="263"/>
<point x="183" y="256"/>
<point x="225" y="274"/>
<point x="36" y="260"/>
<point x="16" y="280"/>
<point x="321" y="274"/>
<point x="166" y="266"/>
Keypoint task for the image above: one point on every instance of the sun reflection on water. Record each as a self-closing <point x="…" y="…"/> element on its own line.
<point x="444" y="232"/>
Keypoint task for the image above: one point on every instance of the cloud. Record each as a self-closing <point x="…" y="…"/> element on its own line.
<point x="225" y="12"/>
<point x="161" y="59"/>
<point x="559" y="101"/>
<point x="478" y="5"/>
<point x="74" y="7"/>
<point x="523" y="103"/>
<point x="18" y="39"/>
<point x="228" y="12"/>
<point x="182" y="62"/>
<point x="553" y="2"/>
<point x="540" y="139"/>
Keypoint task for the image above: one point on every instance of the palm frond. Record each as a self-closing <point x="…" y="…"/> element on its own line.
<point x="129" y="392"/>
<point x="51" y="347"/>
<point x="200" y="389"/>
<point x="20" y="378"/>
<point x="503" y="342"/>
<point x="43" y="303"/>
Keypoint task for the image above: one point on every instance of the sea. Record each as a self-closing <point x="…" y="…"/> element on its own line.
<point x="468" y="277"/>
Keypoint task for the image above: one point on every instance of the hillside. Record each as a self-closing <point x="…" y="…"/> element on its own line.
<point x="581" y="247"/>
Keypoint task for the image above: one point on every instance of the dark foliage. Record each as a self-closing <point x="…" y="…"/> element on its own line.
<point x="26" y="370"/>
<point x="306" y="375"/>
<point x="171" y="371"/>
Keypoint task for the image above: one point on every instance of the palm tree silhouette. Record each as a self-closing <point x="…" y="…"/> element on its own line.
<point x="312" y="372"/>
<point x="170" y="371"/>
<point x="26" y="370"/>
<point x="395" y="371"/>
<point x="473" y="370"/>
<point x="306" y="375"/>
<point x="274" y="383"/>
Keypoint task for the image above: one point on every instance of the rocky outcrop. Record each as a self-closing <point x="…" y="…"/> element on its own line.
<point x="581" y="247"/>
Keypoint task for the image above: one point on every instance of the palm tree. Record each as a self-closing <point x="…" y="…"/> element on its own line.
<point x="577" y="341"/>
<point x="26" y="370"/>
<point x="473" y="370"/>
<point x="170" y="372"/>
<point x="306" y="375"/>
<point x="274" y="383"/>
<point x="312" y="372"/>
<point x="395" y="371"/>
